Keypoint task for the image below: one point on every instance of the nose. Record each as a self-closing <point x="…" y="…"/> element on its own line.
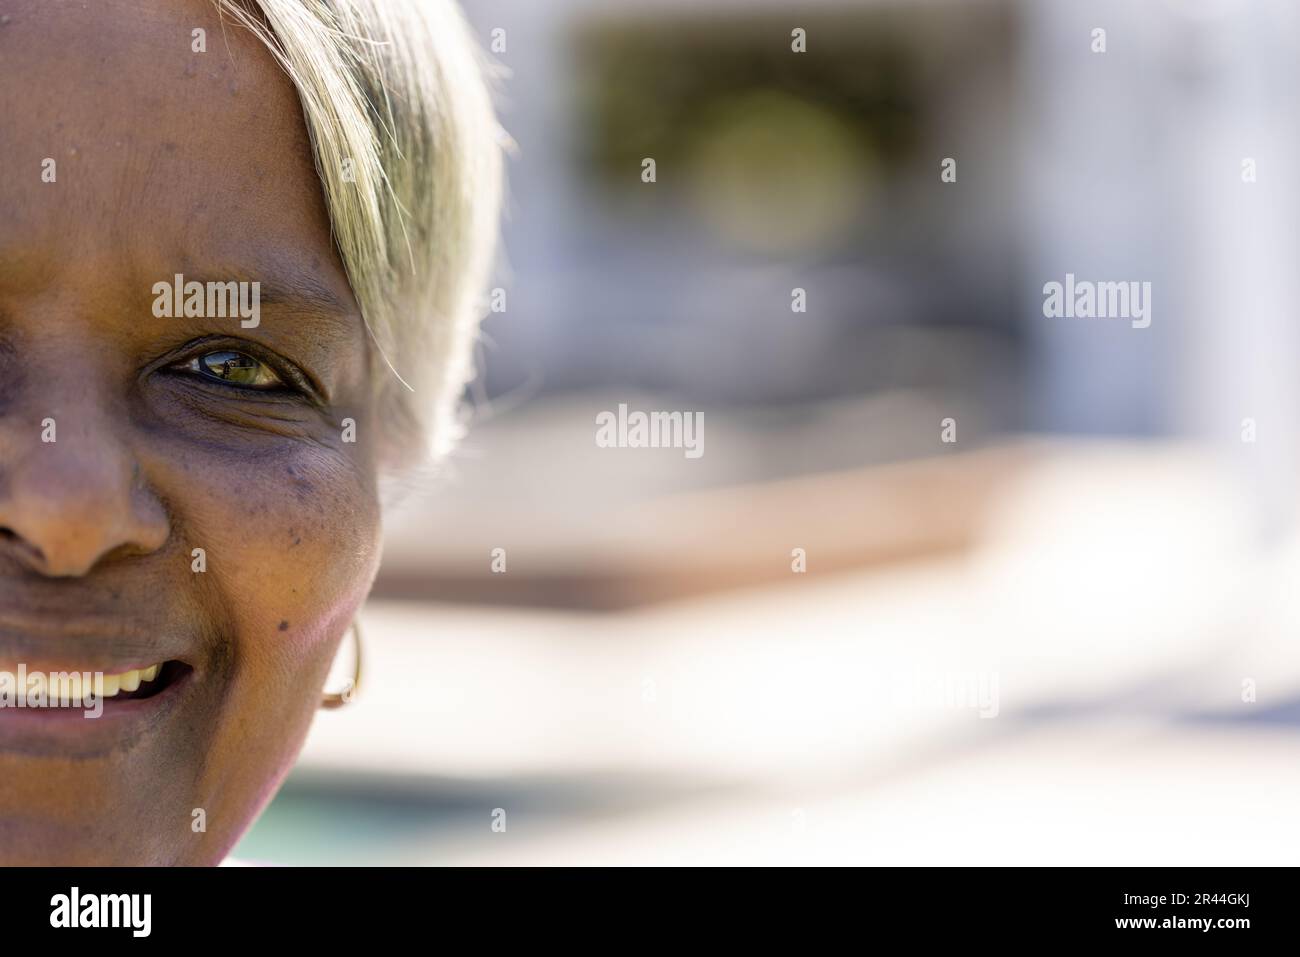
<point x="68" y="504"/>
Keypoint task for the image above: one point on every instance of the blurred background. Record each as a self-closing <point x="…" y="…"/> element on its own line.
<point x="952" y="582"/>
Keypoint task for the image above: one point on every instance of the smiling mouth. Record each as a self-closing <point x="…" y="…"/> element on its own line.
<point x="72" y="687"/>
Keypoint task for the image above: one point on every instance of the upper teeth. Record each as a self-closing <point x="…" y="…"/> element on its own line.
<point x="126" y="681"/>
<point x="73" y="684"/>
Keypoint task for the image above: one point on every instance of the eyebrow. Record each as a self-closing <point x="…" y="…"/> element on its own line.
<point x="289" y="288"/>
<point x="280" y="284"/>
<point x="297" y="290"/>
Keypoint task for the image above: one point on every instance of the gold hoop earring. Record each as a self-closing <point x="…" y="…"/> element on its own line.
<point x="338" y="699"/>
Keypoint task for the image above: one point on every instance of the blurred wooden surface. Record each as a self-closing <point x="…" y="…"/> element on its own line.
<point x="699" y="542"/>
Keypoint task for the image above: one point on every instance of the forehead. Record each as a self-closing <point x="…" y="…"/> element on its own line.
<point x="164" y="155"/>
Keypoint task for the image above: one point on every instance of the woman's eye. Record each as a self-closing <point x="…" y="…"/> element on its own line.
<point x="235" y="368"/>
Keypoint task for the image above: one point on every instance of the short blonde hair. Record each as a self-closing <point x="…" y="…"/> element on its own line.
<point x="397" y="104"/>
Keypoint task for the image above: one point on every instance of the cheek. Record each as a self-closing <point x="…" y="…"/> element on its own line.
<point x="292" y="545"/>
<point x="291" y="542"/>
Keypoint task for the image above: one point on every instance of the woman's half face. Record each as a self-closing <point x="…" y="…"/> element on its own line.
<point x="176" y="489"/>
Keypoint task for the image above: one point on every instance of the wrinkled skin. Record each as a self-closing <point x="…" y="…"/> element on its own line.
<point x="167" y="161"/>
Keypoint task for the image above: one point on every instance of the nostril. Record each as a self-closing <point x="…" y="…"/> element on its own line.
<point x="9" y="537"/>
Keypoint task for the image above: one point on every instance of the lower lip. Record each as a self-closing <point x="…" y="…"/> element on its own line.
<point x="70" y="732"/>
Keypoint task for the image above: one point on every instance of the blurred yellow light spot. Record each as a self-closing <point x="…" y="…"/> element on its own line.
<point x="776" y="173"/>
